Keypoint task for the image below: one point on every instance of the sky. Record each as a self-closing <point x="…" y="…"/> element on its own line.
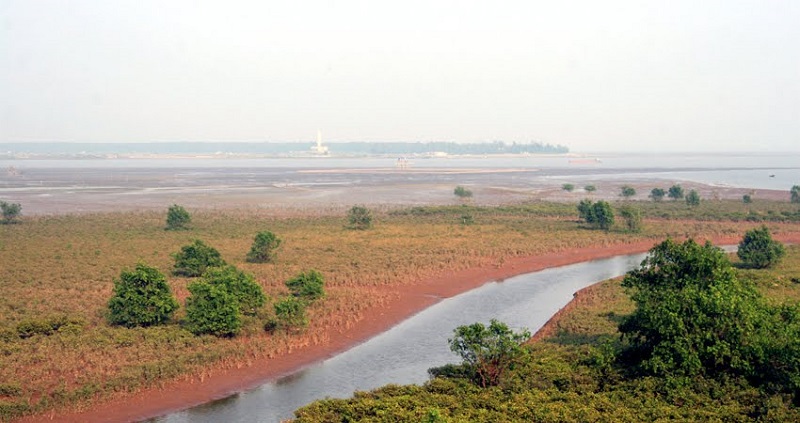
<point x="592" y="75"/>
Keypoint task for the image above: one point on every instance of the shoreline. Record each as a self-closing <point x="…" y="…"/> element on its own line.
<point x="182" y="394"/>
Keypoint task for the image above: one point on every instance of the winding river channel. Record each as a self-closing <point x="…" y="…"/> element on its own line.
<point x="403" y="354"/>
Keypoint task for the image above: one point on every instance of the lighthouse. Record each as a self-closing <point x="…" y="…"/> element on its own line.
<point x="319" y="149"/>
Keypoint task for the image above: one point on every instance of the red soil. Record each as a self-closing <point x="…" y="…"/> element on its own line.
<point x="183" y="394"/>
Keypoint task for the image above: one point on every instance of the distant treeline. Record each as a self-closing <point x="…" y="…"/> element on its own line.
<point x="394" y="148"/>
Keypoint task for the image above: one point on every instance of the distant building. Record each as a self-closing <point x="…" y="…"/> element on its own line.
<point x="319" y="149"/>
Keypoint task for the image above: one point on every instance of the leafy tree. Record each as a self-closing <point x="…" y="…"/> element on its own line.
<point x="359" y="217"/>
<point x="693" y="199"/>
<point x="599" y="214"/>
<point x="195" y="258"/>
<point x="590" y="188"/>
<point x="308" y="286"/>
<point x="627" y="191"/>
<point x="747" y="199"/>
<point x="657" y="194"/>
<point x="692" y="315"/>
<point x="177" y="218"/>
<point x="488" y="353"/>
<point x="211" y="309"/>
<point x="795" y="192"/>
<point x="675" y="192"/>
<point x="585" y="210"/>
<point x="603" y="215"/>
<point x="568" y="187"/>
<point x="10" y="211"/>
<point x="141" y="297"/>
<point x="263" y="248"/>
<point x="462" y="192"/>
<point x="757" y="249"/>
<point x="290" y="313"/>
<point x="242" y="286"/>
<point x="632" y="216"/>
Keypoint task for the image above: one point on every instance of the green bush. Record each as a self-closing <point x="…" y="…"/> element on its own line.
<point x="49" y="325"/>
<point x="568" y="187"/>
<point x="10" y="211"/>
<point x="632" y="216"/>
<point x="692" y="316"/>
<point x="590" y="188"/>
<point x="599" y="214"/>
<point x="195" y="258"/>
<point x="290" y="314"/>
<point x="359" y="217"/>
<point x="263" y="248"/>
<point x="141" y="297"/>
<point x="211" y="309"/>
<point x="177" y="218"/>
<point x="308" y="286"/>
<point x="462" y="192"/>
<point x="693" y="198"/>
<point x="657" y="194"/>
<point x="795" y="194"/>
<point x="758" y="250"/>
<point x="487" y="352"/>
<point x="242" y="286"/>
<point x="627" y="191"/>
<point x="675" y="192"/>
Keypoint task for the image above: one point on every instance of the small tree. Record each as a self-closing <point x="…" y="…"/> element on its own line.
<point x="290" y="313"/>
<point x="462" y="192"/>
<point x="692" y="316"/>
<point x="242" y="286"/>
<point x="693" y="199"/>
<point x="657" y="194"/>
<point x="632" y="216"/>
<point x="307" y="286"/>
<point x="177" y="218"/>
<point x="10" y="211"/>
<point x="757" y="249"/>
<point x="590" y="188"/>
<point x="568" y="187"/>
<point x="488" y="353"/>
<point x="627" y="191"/>
<point x="795" y="192"/>
<point x="359" y="218"/>
<point x="675" y="192"/>
<point x="599" y="214"/>
<point x="747" y="199"/>
<point x="211" y="309"/>
<point x="141" y="297"/>
<point x="603" y="215"/>
<point x="195" y="258"/>
<point x="263" y="248"/>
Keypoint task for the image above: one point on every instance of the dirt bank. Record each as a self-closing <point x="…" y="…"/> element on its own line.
<point x="182" y="394"/>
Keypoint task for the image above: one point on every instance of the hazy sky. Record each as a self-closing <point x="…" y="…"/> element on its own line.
<point x="592" y="75"/>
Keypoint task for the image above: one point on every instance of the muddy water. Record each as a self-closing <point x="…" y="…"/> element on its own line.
<point x="403" y="354"/>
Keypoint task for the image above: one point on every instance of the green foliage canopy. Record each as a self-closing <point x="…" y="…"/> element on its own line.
<point x="599" y="214"/>
<point x="359" y="217"/>
<point x="290" y="313"/>
<point x="795" y="194"/>
<point x="141" y="297"/>
<point x="462" y="192"/>
<point x="692" y="315"/>
<point x="264" y="247"/>
<point x="177" y="218"/>
<point x="568" y="187"/>
<point x="675" y="192"/>
<point x="242" y="286"/>
<point x="627" y="191"/>
<point x="657" y="194"/>
<point x="10" y="211"/>
<point x="307" y="286"/>
<point x="195" y="258"/>
<point x="632" y="216"/>
<point x="757" y="249"/>
<point x="693" y="198"/>
<point x="488" y="352"/>
<point x="211" y="309"/>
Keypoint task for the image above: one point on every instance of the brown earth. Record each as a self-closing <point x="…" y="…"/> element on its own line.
<point x="411" y="299"/>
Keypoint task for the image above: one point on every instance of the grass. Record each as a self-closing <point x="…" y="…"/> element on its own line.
<point x="59" y="271"/>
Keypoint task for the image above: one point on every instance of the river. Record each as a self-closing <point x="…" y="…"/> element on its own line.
<point x="403" y="354"/>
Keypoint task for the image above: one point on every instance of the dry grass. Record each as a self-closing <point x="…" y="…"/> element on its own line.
<point x="65" y="265"/>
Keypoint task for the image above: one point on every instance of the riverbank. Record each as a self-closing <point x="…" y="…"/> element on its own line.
<point x="409" y="300"/>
